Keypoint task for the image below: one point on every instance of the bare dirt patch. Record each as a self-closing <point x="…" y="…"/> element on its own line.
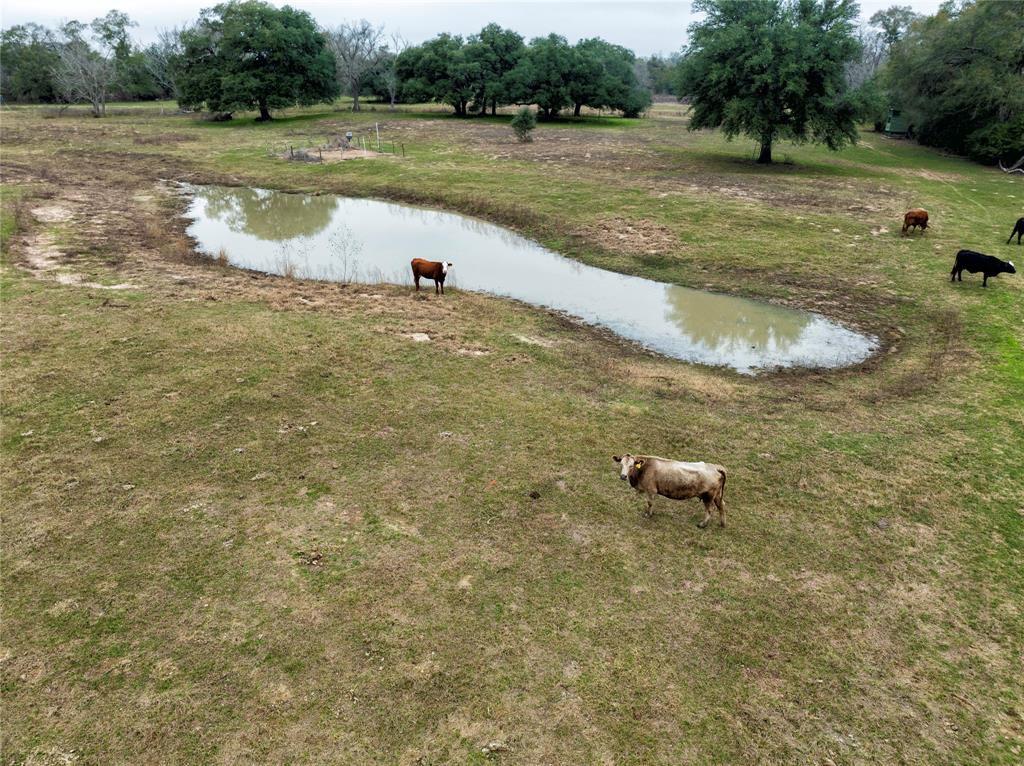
<point x="636" y="236"/>
<point x="330" y="156"/>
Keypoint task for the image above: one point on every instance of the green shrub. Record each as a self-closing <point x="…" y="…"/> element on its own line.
<point x="523" y="123"/>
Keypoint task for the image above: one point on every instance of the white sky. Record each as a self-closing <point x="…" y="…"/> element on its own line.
<point x="645" y="27"/>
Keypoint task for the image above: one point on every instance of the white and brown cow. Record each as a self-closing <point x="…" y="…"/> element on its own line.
<point x="652" y="476"/>
<point x="436" y="270"/>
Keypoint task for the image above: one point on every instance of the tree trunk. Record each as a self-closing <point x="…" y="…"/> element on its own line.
<point x="355" y="101"/>
<point x="576" y="110"/>
<point x="264" y="110"/>
<point x="494" y="106"/>
<point x="765" y="157"/>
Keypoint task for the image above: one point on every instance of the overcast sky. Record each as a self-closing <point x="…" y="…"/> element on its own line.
<point x="644" y="27"/>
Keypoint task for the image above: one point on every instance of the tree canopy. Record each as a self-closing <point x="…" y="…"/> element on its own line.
<point x="494" y="68"/>
<point x="893" y="22"/>
<point x="959" y="77"/>
<point x="251" y="55"/>
<point x="602" y="76"/>
<point x="29" y="53"/>
<point x="772" y="69"/>
<point x="439" y="70"/>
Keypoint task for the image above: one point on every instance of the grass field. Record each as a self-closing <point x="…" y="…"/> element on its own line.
<point x="246" y="520"/>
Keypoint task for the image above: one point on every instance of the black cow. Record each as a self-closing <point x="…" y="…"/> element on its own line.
<point x="1018" y="229"/>
<point x="968" y="260"/>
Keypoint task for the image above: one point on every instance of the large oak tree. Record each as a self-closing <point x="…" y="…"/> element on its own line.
<point x="251" y="55"/>
<point x="773" y="69"/>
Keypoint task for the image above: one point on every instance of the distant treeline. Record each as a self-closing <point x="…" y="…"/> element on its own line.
<point x="955" y="76"/>
<point x="219" y="60"/>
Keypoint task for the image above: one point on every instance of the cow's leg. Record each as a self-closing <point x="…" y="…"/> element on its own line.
<point x="984" y="281"/>
<point x="436" y="291"/>
<point x="706" y="498"/>
<point x="649" y="511"/>
<point x="442" y="287"/>
<point x="416" y="279"/>
<point x="720" y="503"/>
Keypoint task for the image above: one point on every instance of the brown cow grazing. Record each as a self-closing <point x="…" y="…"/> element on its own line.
<point x="436" y="270"/>
<point x="914" y="218"/>
<point x="652" y="476"/>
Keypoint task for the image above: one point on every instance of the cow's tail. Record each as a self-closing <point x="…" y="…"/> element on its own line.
<point x="721" y="487"/>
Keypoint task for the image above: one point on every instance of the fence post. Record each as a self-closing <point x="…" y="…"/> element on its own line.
<point x="403" y="149"/>
<point x="376" y="126"/>
<point x="321" y="155"/>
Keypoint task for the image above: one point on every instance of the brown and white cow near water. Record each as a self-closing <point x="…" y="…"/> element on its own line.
<point x="436" y="270"/>
<point x="914" y="218"/>
<point x="652" y="476"/>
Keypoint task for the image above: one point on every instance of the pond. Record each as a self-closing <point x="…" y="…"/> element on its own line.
<point x="336" y="238"/>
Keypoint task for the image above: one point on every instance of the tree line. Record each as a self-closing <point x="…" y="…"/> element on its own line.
<point x="249" y="55"/>
<point x="799" y="70"/>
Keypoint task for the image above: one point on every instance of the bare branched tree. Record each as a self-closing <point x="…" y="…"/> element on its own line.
<point x="873" y="52"/>
<point x="390" y="74"/>
<point x="160" y="58"/>
<point x="358" y="50"/>
<point x="83" y="74"/>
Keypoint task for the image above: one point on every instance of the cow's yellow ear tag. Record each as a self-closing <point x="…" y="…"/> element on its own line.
<point x="638" y="464"/>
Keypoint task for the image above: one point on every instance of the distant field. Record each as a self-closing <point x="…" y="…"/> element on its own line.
<point x="245" y="519"/>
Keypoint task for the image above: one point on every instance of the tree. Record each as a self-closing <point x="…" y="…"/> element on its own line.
<point x="959" y="77"/>
<point x="894" y="23"/>
<point x="358" y="50"/>
<point x="661" y="73"/>
<point x="388" y="70"/>
<point x="440" y="70"/>
<point x="543" y="75"/>
<point x="523" y="124"/>
<point x="29" y="53"/>
<point x="251" y="55"/>
<point x="873" y="52"/>
<point x="111" y="32"/>
<point x="603" y="77"/>
<point x="82" y="73"/>
<point x="772" y="69"/>
<point x="497" y="52"/>
<point x="160" y="58"/>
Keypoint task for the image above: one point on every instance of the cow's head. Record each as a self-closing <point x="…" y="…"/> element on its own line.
<point x="628" y="464"/>
<point x="445" y="265"/>
<point x="1009" y="268"/>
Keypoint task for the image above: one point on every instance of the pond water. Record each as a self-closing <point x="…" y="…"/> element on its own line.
<point x="359" y="240"/>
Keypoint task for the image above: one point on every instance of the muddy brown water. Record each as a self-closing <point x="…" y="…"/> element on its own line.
<point x="336" y="238"/>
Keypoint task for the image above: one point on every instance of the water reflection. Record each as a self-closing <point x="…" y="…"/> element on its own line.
<point x="701" y="316"/>
<point x="268" y="215"/>
<point x="347" y="240"/>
